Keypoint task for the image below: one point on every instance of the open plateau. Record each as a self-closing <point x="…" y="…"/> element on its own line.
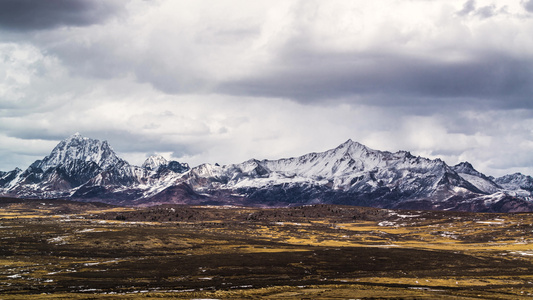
<point x="347" y="223"/>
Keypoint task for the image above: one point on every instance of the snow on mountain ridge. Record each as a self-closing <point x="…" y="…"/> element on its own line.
<point x="77" y="147"/>
<point x="346" y="157"/>
<point x="350" y="159"/>
<point x="348" y="167"/>
<point x="81" y="165"/>
<point x="153" y="162"/>
<point x="479" y="180"/>
<point x="84" y="168"/>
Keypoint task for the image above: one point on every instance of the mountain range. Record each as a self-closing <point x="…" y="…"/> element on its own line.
<point x="85" y="169"/>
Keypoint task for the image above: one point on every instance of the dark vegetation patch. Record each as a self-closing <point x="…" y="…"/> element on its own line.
<point x="183" y="213"/>
<point x="51" y="206"/>
<point x="201" y="249"/>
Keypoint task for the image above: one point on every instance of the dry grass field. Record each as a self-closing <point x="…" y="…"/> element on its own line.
<point x="53" y="249"/>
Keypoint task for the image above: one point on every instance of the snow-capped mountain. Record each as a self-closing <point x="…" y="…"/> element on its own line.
<point x="81" y="149"/>
<point x="71" y="163"/>
<point x="347" y="168"/>
<point x="153" y="162"/>
<point x="480" y="181"/>
<point x="81" y="166"/>
<point x="517" y="185"/>
<point x="516" y="181"/>
<point x="86" y="169"/>
<point x="351" y="174"/>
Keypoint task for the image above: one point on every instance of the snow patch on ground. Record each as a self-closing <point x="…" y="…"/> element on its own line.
<point x="88" y="230"/>
<point x="60" y="240"/>
<point x="523" y="253"/>
<point x="404" y="216"/>
<point x="387" y="223"/>
<point x="493" y="222"/>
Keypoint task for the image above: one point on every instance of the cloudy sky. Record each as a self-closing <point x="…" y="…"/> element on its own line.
<point x="228" y="80"/>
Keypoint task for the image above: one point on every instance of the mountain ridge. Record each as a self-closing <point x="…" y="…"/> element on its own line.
<point x="86" y="169"/>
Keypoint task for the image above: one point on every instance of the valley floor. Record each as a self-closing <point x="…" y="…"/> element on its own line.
<point x="61" y="250"/>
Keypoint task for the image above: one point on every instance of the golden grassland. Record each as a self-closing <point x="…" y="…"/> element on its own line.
<point x="408" y="255"/>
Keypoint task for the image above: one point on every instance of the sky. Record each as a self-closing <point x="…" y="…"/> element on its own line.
<point x="229" y="80"/>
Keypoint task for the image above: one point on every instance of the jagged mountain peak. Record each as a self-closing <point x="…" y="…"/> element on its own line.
<point x="76" y="135"/>
<point x="478" y="179"/>
<point x="353" y="147"/>
<point x="464" y="164"/>
<point x="467" y="168"/>
<point x="153" y="162"/>
<point x="77" y="147"/>
<point x="356" y="150"/>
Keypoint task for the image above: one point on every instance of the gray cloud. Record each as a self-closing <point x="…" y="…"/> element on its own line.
<point x="528" y="5"/>
<point x="22" y="15"/>
<point x="486" y="11"/>
<point x="182" y="61"/>
<point x="468" y="7"/>
<point x="498" y="81"/>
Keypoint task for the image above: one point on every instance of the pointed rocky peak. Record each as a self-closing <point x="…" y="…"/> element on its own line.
<point x="16" y="170"/>
<point x="347" y="143"/>
<point x="76" y="136"/>
<point x="466" y="168"/>
<point x="464" y="165"/>
<point x="351" y="144"/>
<point x="352" y="148"/>
<point x="153" y="162"/>
<point x="79" y="148"/>
<point x="253" y="166"/>
<point x="252" y="161"/>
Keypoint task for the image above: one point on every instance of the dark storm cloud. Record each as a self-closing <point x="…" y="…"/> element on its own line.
<point x="22" y="15"/>
<point x="502" y="82"/>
